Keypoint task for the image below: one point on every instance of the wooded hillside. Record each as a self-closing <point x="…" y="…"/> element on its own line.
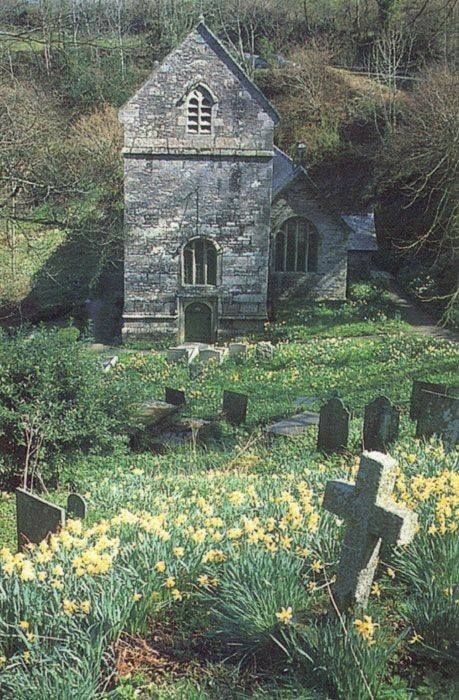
<point x="368" y="85"/>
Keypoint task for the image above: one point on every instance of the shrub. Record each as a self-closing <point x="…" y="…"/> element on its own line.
<point x="55" y="398"/>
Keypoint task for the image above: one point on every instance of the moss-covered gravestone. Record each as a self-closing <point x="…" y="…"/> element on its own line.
<point x="76" y="507"/>
<point x="417" y="400"/>
<point x="439" y="416"/>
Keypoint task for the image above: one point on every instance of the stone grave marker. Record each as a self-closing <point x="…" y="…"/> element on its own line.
<point x="439" y="416"/>
<point x="238" y="351"/>
<point x="235" y="407"/>
<point x="76" y="506"/>
<point x="380" y="424"/>
<point x="416" y="401"/>
<point x="110" y="363"/>
<point x="265" y="351"/>
<point x="182" y="353"/>
<point x="294" y="425"/>
<point x="217" y="355"/>
<point x="333" y="426"/>
<point x="175" y="397"/>
<point x="36" y="518"/>
<point x="371" y="517"/>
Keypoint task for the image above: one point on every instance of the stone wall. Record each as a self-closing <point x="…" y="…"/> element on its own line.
<point x="329" y="281"/>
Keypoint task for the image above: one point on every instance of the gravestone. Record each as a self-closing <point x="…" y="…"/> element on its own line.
<point x="333" y="426"/>
<point x="238" y="351"/>
<point x="235" y="407"/>
<point x="416" y="401"/>
<point x="111" y="362"/>
<point x="175" y="397"/>
<point x="380" y="424"/>
<point x="183" y="353"/>
<point x="216" y="355"/>
<point x="439" y="416"/>
<point x="76" y="506"/>
<point x="265" y="351"/>
<point x="36" y="518"/>
<point x="371" y="517"/>
<point x="294" y="425"/>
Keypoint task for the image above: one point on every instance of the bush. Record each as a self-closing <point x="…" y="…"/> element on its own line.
<point x="55" y="398"/>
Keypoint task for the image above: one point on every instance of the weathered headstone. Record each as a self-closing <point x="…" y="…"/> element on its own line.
<point x="265" y="351"/>
<point x="36" y="518"/>
<point x="175" y="397"/>
<point x="216" y="355"/>
<point x="439" y="416"/>
<point x="238" y="351"/>
<point x="371" y="517"/>
<point x="182" y="353"/>
<point x="110" y="363"/>
<point x="333" y="426"/>
<point x="235" y="407"/>
<point x="294" y="425"/>
<point x="153" y="412"/>
<point x="76" y="506"/>
<point x="380" y="424"/>
<point x="417" y="401"/>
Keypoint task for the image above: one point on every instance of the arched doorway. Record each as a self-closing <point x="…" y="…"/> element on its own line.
<point x="198" y="323"/>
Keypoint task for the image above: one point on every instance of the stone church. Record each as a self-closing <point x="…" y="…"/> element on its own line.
<point x="218" y="220"/>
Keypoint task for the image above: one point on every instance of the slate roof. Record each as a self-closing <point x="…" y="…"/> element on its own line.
<point x="283" y="170"/>
<point x="363" y="236"/>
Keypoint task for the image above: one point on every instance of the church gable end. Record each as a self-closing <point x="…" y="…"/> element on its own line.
<point x="233" y="113"/>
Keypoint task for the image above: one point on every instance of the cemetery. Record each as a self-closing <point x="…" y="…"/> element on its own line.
<point x="291" y="507"/>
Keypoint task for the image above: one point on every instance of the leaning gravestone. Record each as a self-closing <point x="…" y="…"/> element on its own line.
<point x="265" y="351"/>
<point x="372" y="517"/>
<point x="175" y="397"/>
<point x="439" y="416"/>
<point x="235" y="407"/>
<point x="36" y="518"/>
<point x="417" y="400"/>
<point x="76" y="506"/>
<point x="380" y="424"/>
<point x="110" y="363"/>
<point x="333" y="426"/>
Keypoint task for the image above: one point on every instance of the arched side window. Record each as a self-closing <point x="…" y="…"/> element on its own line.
<point x="199" y="111"/>
<point x="200" y="262"/>
<point x="296" y="247"/>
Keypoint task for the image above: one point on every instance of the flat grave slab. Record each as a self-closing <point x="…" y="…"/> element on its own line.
<point x="295" y="425"/>
<point x="153" y="412"/>
<point x="306" y="401"/>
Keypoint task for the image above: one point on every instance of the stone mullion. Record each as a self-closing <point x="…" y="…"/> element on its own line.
<point x="193" y="262"/>
<point x="295" y="264"/>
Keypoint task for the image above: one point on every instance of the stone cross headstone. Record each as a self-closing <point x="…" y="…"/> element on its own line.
<point x="265" y="351"/>
<point x="380" y="424"/>
<point x="439" y="416"/>
<point x="333" y="426"/>
<point x="175" y="397"/>
<point x="235" y="407"/>
<point x="76" y="506"/>
<point x="371" y="517"/>
<point x="416" y="401"/>
<point x="36" y="518"/>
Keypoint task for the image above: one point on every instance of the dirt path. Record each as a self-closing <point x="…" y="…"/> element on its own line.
<point x="416" y="317"/>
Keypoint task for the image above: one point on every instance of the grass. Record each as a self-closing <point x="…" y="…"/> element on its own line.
<point x="193" y="553"/>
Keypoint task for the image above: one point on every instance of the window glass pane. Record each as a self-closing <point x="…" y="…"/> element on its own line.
<point x="301" y="260"/>
<point x="290" y="261"/>
<point x="279" y="263"/>
<point x="211" y="264"/>
<point x="188" y="265"/>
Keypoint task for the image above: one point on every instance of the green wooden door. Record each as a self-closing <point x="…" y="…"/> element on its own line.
<point x="198" y="323"/>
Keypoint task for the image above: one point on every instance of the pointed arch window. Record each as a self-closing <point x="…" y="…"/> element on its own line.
<point x="296" y="247"/>
<point x="199" y="111"/>
<point x="200" y="262"/>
